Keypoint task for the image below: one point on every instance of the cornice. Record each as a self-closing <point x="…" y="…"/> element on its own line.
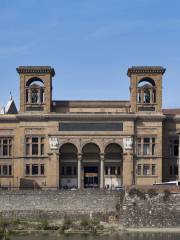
<point x="145" y="69"/>
<point x="35" y="69"/>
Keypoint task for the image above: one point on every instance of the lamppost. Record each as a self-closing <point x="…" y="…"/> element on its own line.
<point x="178" y="133"/>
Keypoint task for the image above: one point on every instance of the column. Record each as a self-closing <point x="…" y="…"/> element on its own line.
<point x="179" y="158"/>
<point x="79" y="170"/>
<point x="151" y="95"/>
<point x="102" y="171"/>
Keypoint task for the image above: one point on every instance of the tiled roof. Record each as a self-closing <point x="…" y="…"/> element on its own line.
<point x="172" y="111"/>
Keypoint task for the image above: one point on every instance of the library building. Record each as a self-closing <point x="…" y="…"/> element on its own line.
<point x="52" y="144"/>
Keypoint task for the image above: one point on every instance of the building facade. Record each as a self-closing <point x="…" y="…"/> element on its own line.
<point x="104" y="144"/>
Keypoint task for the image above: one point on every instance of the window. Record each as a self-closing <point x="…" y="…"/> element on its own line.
<point x="42" y="169"/>
<point x="146" y="169"/>
<point x="5" y="170"/>
<point x="35" y="169"/>
<point x="68" y="170"/>
<point x="5" y="147"/>
<point x="146" y="146"/>
<point x="170" y="170"/>
<point x="118" y="171"/>
<point x="174" y="147"/>
<point x="27" y="169"/>
<point x="34" y="146"/>
<point x="153" y="169"/>
<point x="112" y="170"/>
<point x="139" y="169"/>
<point x="175" y="170"/>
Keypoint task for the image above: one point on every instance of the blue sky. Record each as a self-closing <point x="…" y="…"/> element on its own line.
<point x="90" y="43"/>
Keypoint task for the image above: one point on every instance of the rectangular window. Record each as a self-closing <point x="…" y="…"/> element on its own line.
<point x="139" y="146"/>
<point x="34" y="146"/>
<point x="42" y="169"/>
<point x="5" y="147"/>
<point x="174" y="147"/>
<point x="170" y="171"/>
<point x="139" y="169"/>
<point x="5" y="170"/>
<point x="119" y="171"/>
<point x="153" y="169"/>
<point x="175" y="170"/>
<point x="27" y="169"/>
<point x="146" y="146"/>
<point x="146" y="169"/>
<point x="35" y="169"/>
<point x="112" y="170"/>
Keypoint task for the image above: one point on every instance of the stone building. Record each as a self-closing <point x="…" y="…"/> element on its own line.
<point x="54" y="144"/>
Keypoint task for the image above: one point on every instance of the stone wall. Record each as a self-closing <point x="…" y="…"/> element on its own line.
<point x="157" y="211"/>
<point x="58" y="204"/>
<point x="129" y="211"/>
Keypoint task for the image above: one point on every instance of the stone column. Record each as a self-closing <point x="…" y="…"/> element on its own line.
<point x="128" y="162"/>
<point x="179" y="158"/>
<point x="102" y="171"/>
<point x="53" y="163"/>
<point x="79" y="170"/>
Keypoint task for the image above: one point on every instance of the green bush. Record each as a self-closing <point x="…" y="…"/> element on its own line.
<point x="95" y="222"/>
<point x="85" y="223"/>
<point x="44" y="224"/>
<point x="67" y="222"/>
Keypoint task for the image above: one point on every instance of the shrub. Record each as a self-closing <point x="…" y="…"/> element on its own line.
<point x="136" y="192"/>
<point x="95" y="222"/>
<point x="166" y="194"/>
<point x="44" y="224"/>
<point x="85" y="223"/>
<point x="152" y="193"/>
<point x="67" y="222"/>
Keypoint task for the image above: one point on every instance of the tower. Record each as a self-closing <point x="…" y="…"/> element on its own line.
<point x="35" y="88"/>
<point x="146" y="88"/>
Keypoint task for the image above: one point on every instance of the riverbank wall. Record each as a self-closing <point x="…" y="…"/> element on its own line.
<point x="126" y="209"/>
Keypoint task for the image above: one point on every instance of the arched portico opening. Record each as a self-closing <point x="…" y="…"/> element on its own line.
<point x="68" y="166"/>
<point x="91" y="165"/>
<point x="113" y="157"/>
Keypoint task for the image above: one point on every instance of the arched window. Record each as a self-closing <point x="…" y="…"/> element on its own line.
<point x="35" y="91"/>
<point x="146" y="91"/>
<point x="91" y="151"/>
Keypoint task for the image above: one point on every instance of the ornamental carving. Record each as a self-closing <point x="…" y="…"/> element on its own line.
<point x="128" y="143"/>
<point x="53" y="143"/>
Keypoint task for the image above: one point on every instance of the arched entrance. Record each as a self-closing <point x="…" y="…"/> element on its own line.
<point x="91" y="165"/>
<point x="68" y="166"/>
<point x="113" y="156"/>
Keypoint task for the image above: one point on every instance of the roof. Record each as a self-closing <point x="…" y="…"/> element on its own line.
<point x="145" y="69"/>
<point x="171" y="111"/>
<point x="36" y="69"/>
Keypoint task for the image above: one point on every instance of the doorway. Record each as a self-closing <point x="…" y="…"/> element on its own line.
<point x="91" y="177"/>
